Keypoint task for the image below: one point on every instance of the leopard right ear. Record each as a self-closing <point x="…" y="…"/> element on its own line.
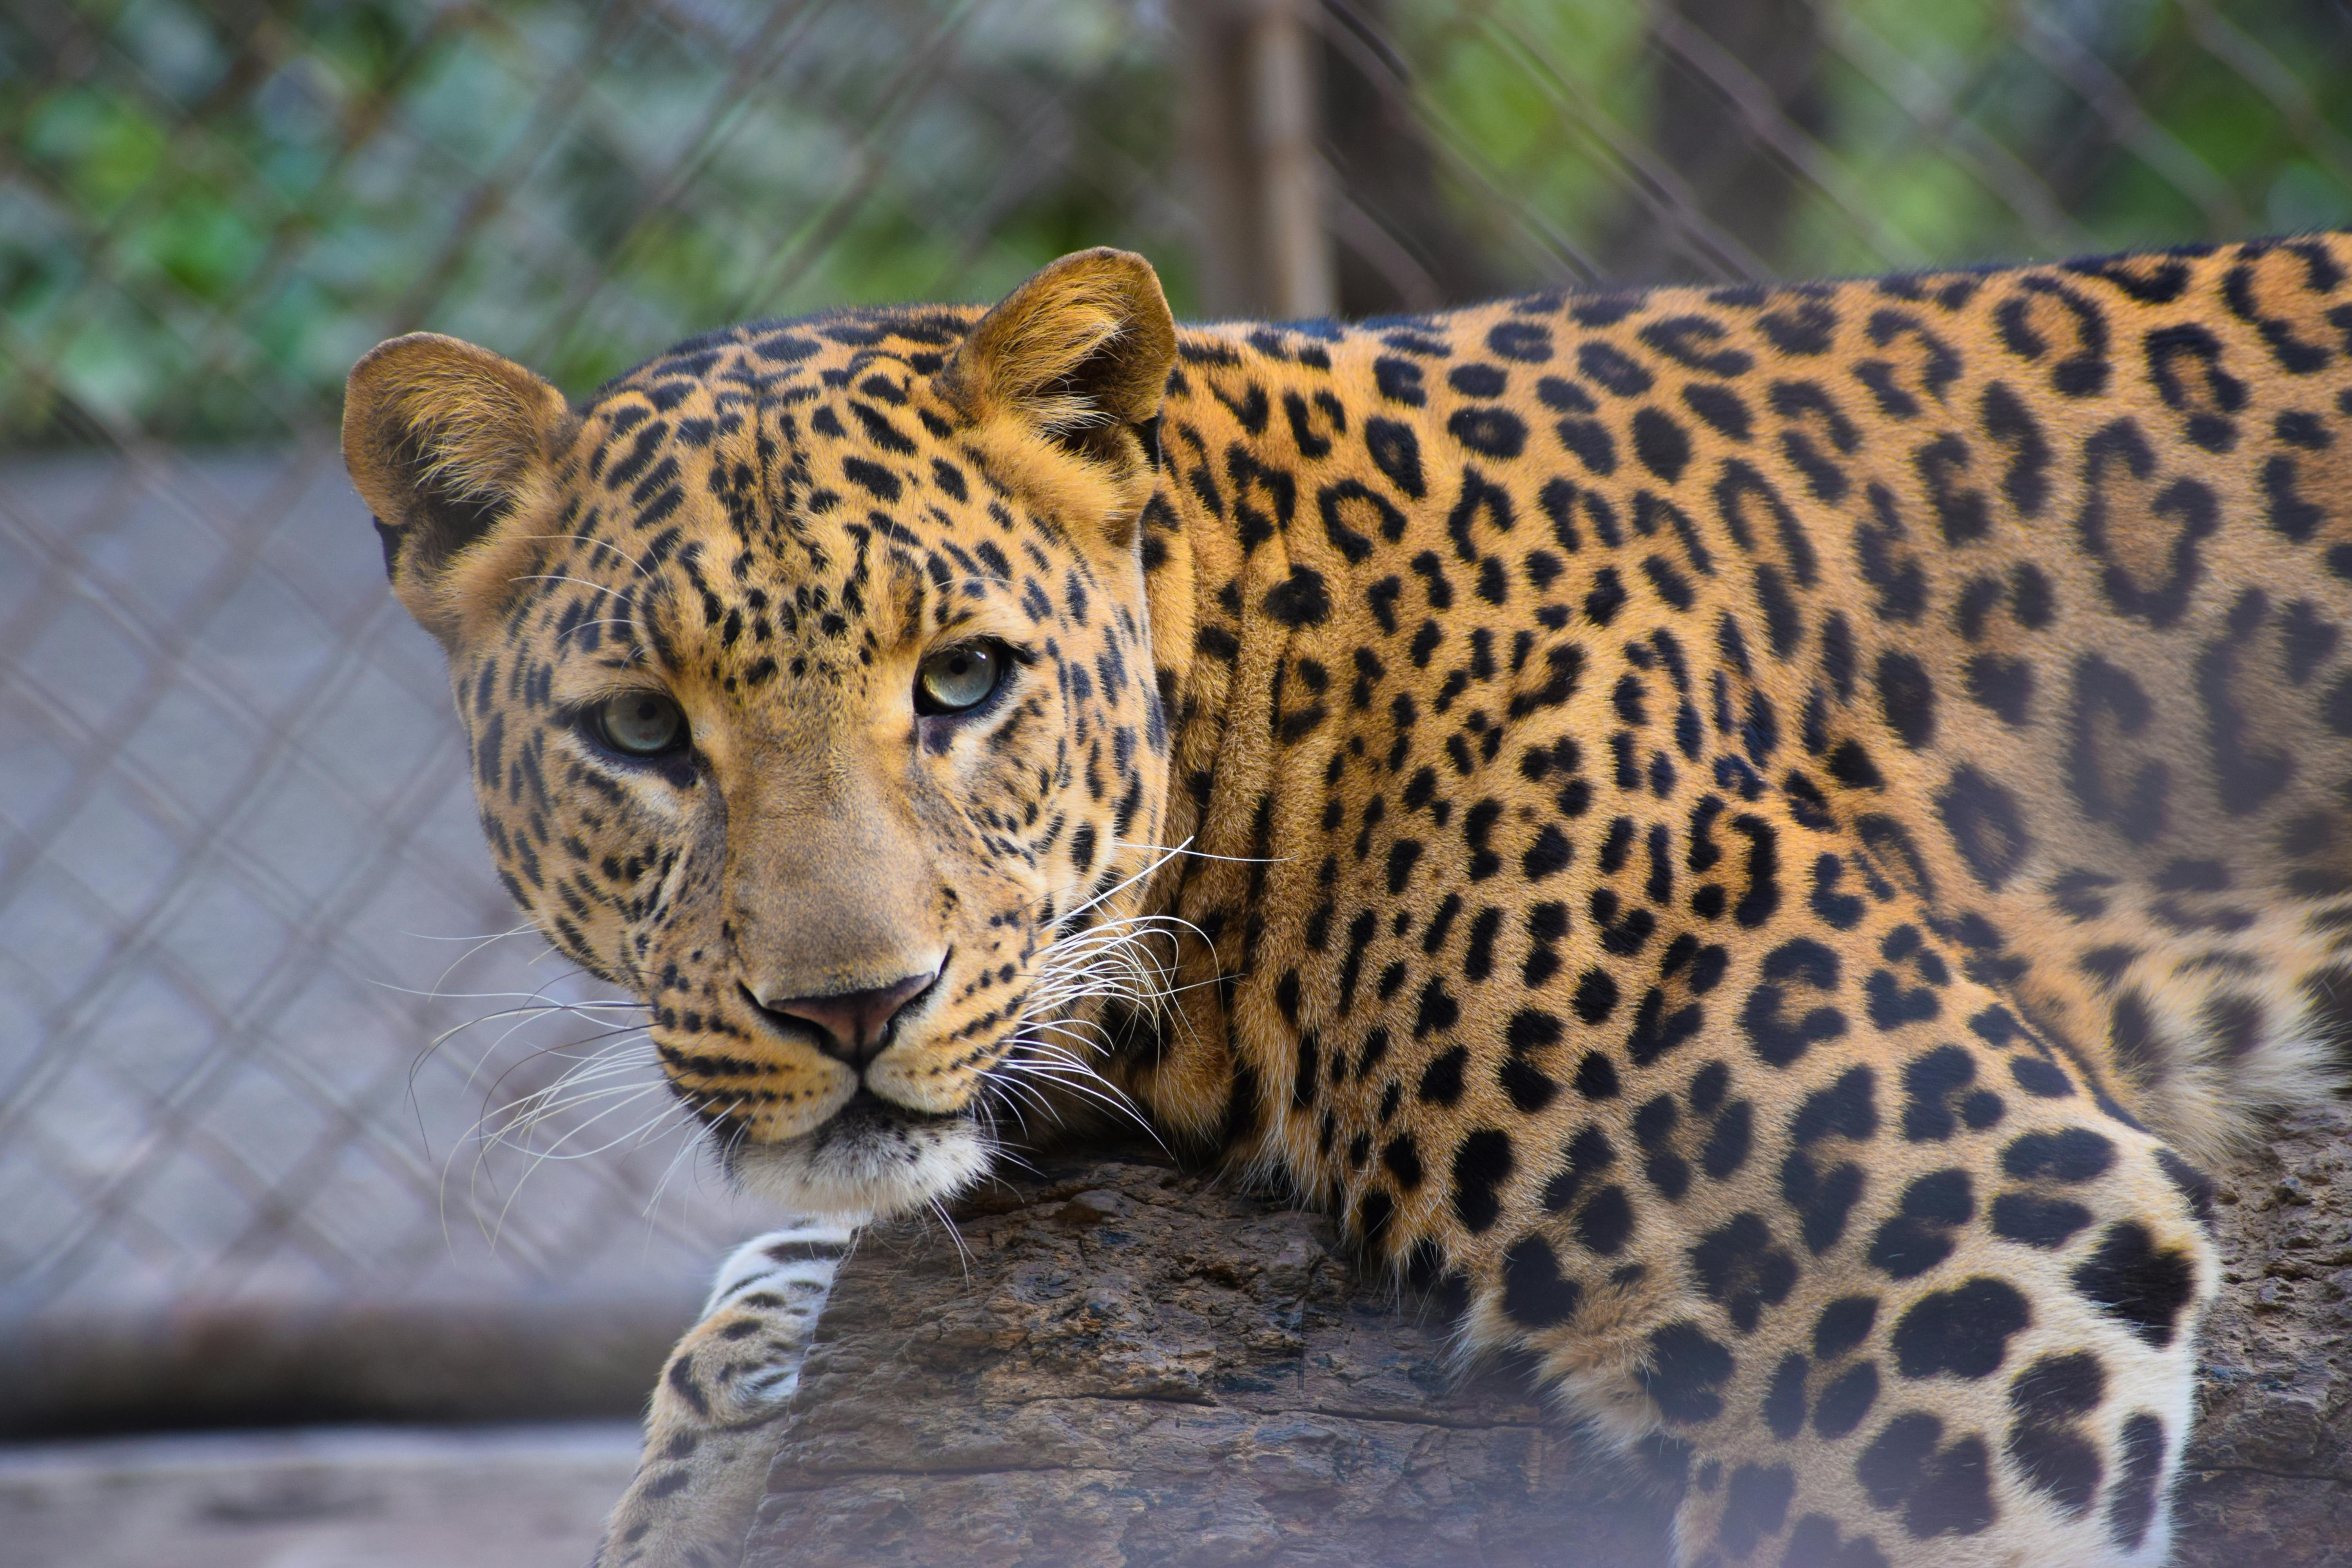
<point x="1078" y="353"/>
<point x="443" y="441"/>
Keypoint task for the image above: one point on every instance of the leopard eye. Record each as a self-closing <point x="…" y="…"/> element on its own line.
<point x="640" y="724"/>
<point x="959" y="678"/>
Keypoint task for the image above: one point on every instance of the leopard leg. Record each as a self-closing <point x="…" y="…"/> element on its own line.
<point x="722" y="1403"/>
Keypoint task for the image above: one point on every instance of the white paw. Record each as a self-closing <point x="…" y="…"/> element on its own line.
<point x="796" y="1261"/>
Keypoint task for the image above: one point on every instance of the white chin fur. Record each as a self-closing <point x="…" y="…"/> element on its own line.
<point x="870" y="1172"/>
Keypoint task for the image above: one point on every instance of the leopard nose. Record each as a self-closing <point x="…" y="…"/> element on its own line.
<point x="852" y="1026"/>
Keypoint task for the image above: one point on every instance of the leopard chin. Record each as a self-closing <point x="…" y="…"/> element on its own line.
<point x="872" y="1160"/>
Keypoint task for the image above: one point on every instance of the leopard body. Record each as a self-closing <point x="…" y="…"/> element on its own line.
<point x="1760" y="839"/>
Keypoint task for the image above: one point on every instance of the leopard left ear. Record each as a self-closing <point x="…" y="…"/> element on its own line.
<point x="1080" y="353"/>
<point x="443" y="441"/>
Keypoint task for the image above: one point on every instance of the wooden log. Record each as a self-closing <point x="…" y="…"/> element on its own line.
<point x="1128" y="1365"/>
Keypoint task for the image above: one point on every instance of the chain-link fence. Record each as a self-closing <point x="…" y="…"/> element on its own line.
<point x="241" y="895"/>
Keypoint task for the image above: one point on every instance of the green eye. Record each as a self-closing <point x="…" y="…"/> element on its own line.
<point x="640" y="724"/>
<point x="957" y="679"/>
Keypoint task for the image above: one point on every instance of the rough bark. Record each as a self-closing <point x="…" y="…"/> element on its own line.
<point x="1134" y="1365"/>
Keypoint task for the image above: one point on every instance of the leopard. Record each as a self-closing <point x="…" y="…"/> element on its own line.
<point x="1758" y="842"/>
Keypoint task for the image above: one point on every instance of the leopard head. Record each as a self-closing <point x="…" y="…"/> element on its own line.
<point x="808" y="681"/>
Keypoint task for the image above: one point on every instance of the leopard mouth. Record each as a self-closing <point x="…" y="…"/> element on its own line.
<point x="866" y="1114"/>
<point x="872" y="1158"/>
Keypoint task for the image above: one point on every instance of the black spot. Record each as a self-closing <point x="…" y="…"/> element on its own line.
<point x="1596" y="996"/>
<point x="1743" y="1269"/>
<point x="2002" y="686"/>
<point x="2043" y="1079"/>
<point x="1661" y="444"/>
<point x="1954" y="1497"/>
<point x="1490" y="432"/>
<point x="1655" y="1031"/>
<point x="2036" y="1221"/>
<point x="2049" y="1449"/>
<point x="1720" y="407"/>
<point x="1928" y="1084"/>
<point x="1477" y="379"/>
<point x="1727" y="1145"/>
<point x="1441" y="1080"/>
<point x="1964" y="1330"/>
<point x="2131" y="1278"/>
<point x="1396" y="452"/>
<point x="1847" y="1108"/>
<point x="1896" y="1458"/>
<point x="1755" y="1504"/>
<point x="1813" y="1544"/>
<point x="2104" y="696"/>
<point x="2131" y="1507"/>
<point x="1528" y="343"/>
<point x="2073" y="1154"/>
<point x="1482" y="1163"/>
<point x="1849" y="764"/>
<point x="1948" y="1492"/>
<point x="1847" y="1401"/>
<point x="1919" y="1234"/>
<point x="1403" y="1161"/>
<point x="1906" y="699"/>
<point x="1688" y="340"/>
<point x="1960" y="508"/>
<point x="2193" y="1184"/>
<point x="1844" y="1324"/>
<point x="1300" y="600"/>
<point x="1614" y="370"/>
<point x="1891" y="1005"/>
<point x="1804" y="327"/>
<point x="1529" y="1087"/>
<point x="1399" y="381"/>
<point x="1535" y="1293"/>
<point x="1823" y="1200"/>
<point x="2010" y="424"/>
<point x="1784" y="1401"/>
<point x="1778" y="1037"/>
<point x="1590" y="1152"/>
<point x="1402" y="855"/>
<point x="1986" y="825"/>
<point x="1681" y="1372"/>
<point x="1596" y="1077"/>
<point x="1605" y="1221"/>
<point x="1549" y="853"/>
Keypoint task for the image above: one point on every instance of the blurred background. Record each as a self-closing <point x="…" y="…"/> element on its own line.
<point x="272" y="1057"/>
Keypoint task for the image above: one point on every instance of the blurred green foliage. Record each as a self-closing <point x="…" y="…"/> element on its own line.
<point x="1958" y="132"/>
<point x="209" y="211"/>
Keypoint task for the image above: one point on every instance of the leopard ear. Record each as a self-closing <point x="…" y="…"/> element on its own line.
<point x="1080" y="353"/>
<point x="444" y="440"/>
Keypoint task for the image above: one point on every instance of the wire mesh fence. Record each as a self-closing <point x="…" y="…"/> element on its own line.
<point x="241" y="894"/>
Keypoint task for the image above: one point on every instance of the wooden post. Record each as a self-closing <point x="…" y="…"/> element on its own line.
<point x="1249" y="73"/>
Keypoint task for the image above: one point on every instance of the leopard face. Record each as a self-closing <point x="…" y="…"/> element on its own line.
<point x="808" y="697"/>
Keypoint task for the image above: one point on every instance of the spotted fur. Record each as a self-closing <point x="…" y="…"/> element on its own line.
<point x="722" y="1403"/>
<point x="1758" y="836"/>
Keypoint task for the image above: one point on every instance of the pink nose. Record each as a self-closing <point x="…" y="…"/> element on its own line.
<point x="853" y="1025"/>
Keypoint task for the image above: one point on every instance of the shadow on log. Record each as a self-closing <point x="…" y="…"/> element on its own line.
<point x="1136" y="1365"/>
